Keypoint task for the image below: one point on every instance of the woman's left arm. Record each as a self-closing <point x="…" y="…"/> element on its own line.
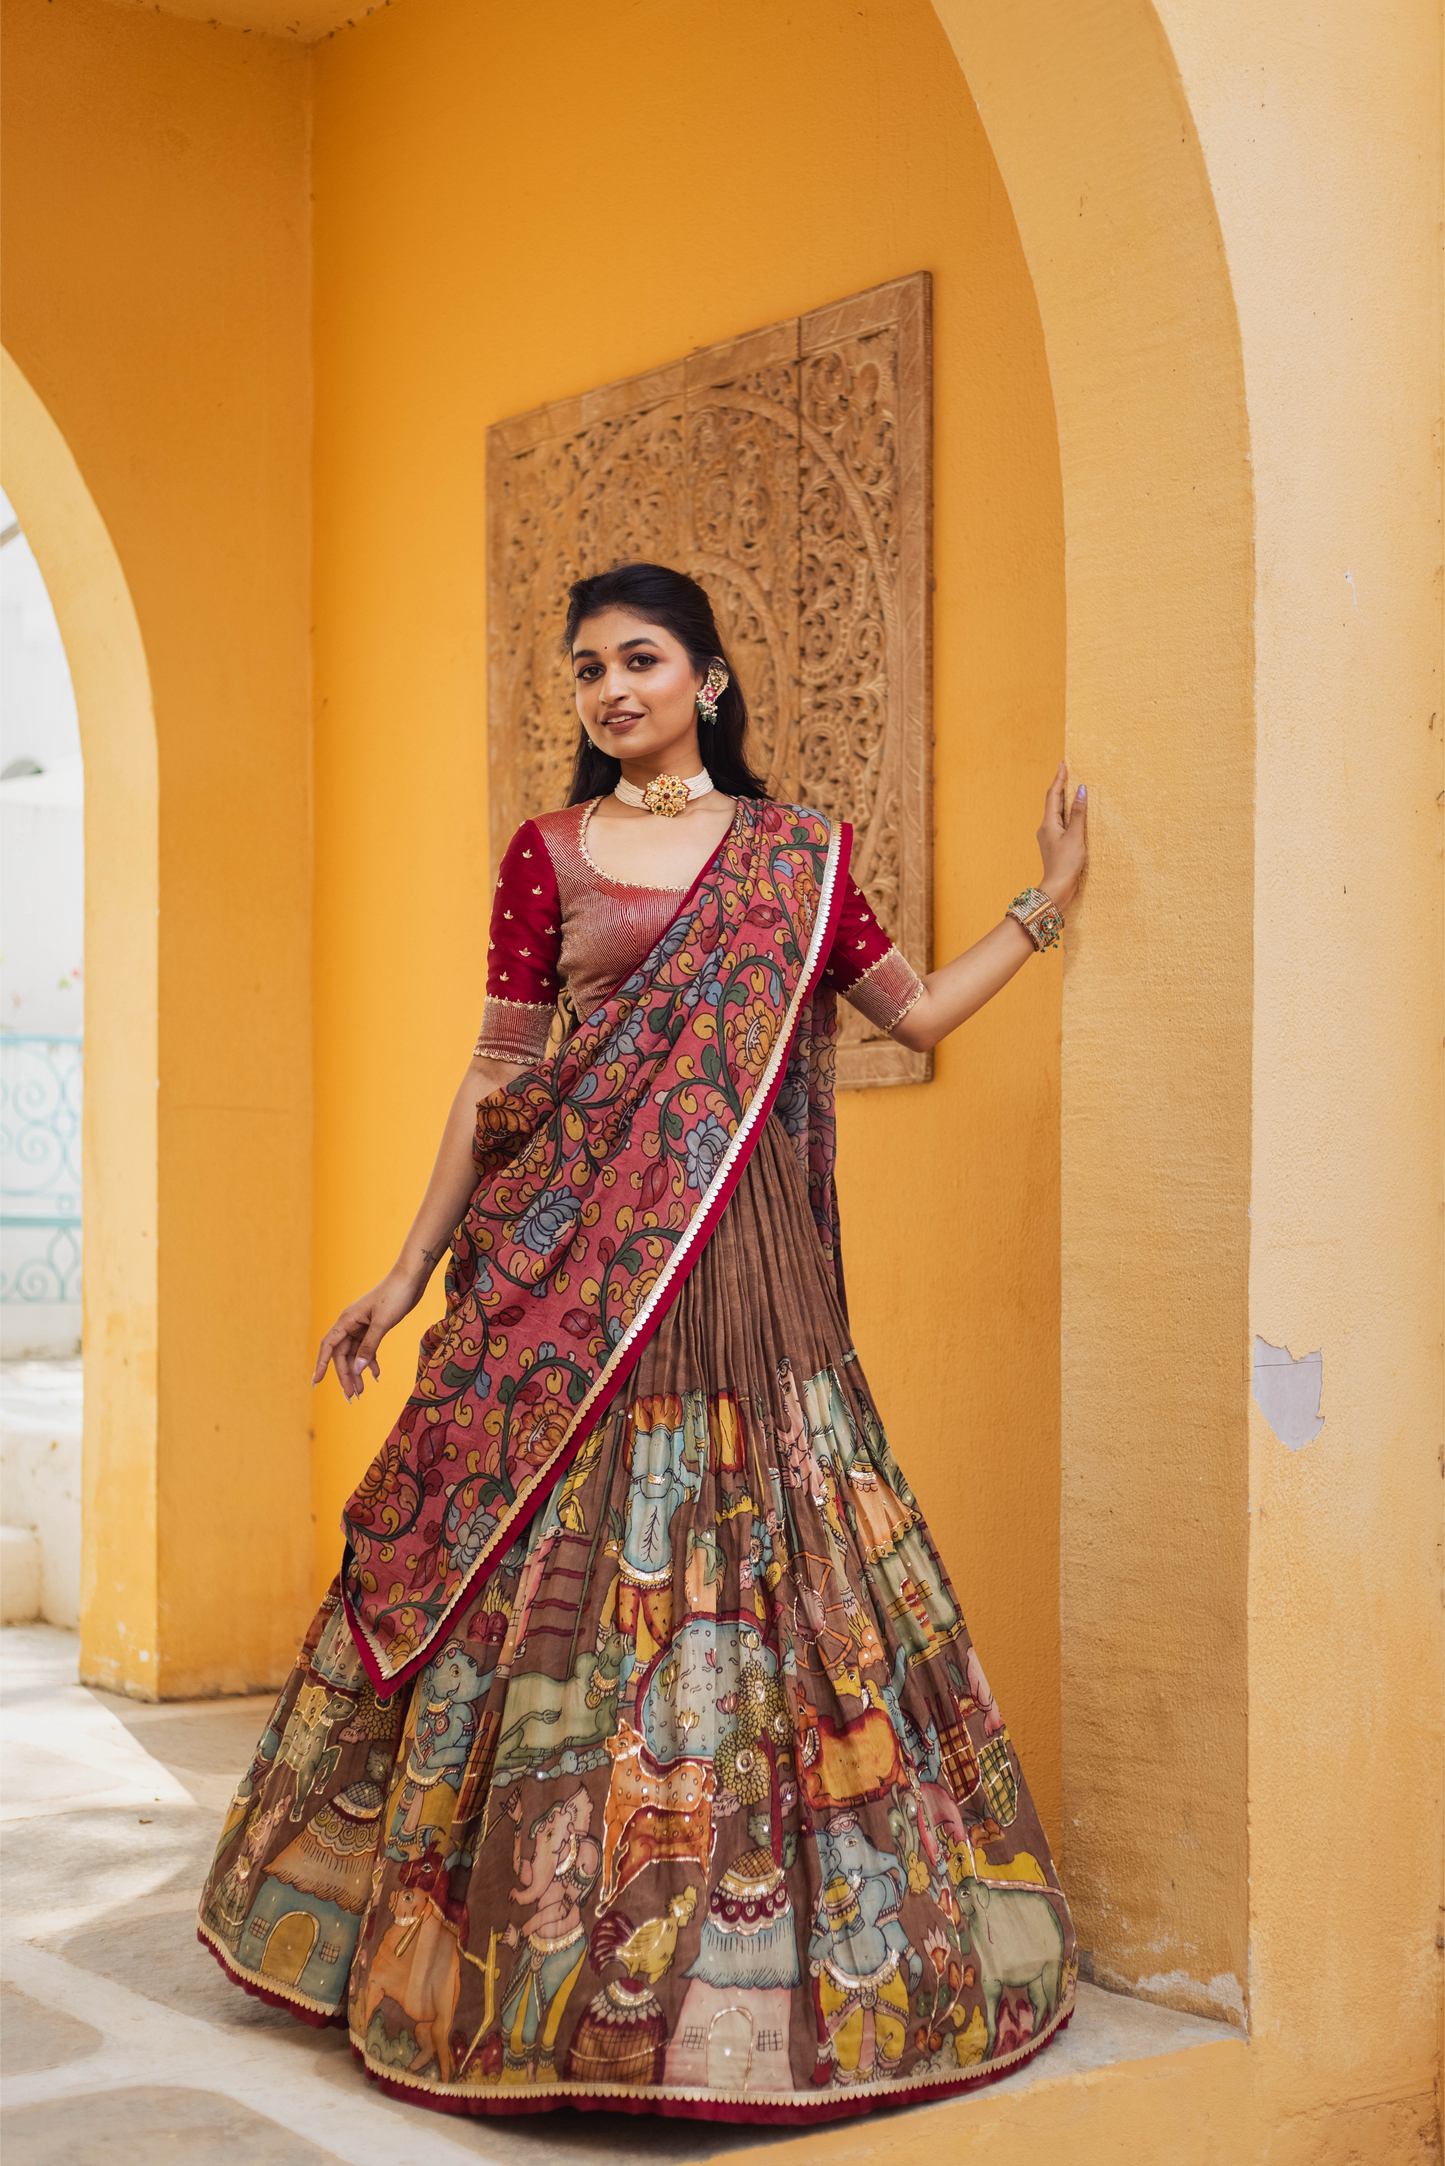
<point x="957" y="991"/>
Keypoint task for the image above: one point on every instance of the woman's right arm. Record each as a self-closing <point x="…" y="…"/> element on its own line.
<point x="523" y="949"/>
<point x="353" y="1339"/>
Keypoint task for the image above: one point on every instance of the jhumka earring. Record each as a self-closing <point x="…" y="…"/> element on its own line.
<point x="714" y="684"/>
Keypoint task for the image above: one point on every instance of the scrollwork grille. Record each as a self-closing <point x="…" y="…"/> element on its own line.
<point x="40" y="1118"/>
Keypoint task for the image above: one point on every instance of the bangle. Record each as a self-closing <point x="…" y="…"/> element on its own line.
<point x="1038" y="917"/>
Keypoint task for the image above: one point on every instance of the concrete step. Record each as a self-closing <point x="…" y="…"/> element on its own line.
<point x="41" y="1416"/>
<point x="21" y="1567"/>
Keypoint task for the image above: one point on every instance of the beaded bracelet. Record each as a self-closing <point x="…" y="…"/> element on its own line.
<point x="1038" y="917"/>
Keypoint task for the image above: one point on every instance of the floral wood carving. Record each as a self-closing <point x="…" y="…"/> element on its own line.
<point x="790" y="471"/>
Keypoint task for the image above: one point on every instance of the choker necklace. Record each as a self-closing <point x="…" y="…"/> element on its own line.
<point x="666" y="795"/>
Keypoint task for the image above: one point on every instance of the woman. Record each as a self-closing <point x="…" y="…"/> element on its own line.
<point x="639" y="1757"/>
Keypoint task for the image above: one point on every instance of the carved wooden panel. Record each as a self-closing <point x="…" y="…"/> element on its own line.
<point x="790" y="471"/>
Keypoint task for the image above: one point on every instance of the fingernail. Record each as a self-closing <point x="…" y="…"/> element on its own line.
<point x="1083" y="789"/>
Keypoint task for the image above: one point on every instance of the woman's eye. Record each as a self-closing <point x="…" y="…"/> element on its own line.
<point x="646" y="660"/>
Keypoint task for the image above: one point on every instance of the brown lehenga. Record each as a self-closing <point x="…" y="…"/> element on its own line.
<point x="820" y="1912"/>
<point x="704" y="1805"/>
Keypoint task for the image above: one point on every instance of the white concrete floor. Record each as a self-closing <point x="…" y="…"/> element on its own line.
<point x="124" y="2045"/>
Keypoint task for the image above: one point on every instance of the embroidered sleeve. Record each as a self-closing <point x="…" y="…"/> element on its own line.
<point x="522" y="952"/>
<point x="866" y="968"/>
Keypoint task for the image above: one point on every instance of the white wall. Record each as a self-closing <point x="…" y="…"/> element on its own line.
<point x="42" y="903"/>
<point x="42" y="847"/>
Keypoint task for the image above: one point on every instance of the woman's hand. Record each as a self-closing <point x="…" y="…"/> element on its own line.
<point x="957" y="991"/>
<point x="359" y="1330"/>
<point x="1063" y="840"/>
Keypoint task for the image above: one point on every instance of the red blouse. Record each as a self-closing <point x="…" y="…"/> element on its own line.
<point x="558" y="920"/>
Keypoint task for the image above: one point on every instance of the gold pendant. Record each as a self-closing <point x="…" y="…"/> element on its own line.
<point x="666" y="795"/>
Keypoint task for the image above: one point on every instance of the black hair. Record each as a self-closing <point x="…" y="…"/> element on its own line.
<point x="658" y="595"/>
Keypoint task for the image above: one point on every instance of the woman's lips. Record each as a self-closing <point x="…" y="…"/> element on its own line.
<point x="620" y="721"/>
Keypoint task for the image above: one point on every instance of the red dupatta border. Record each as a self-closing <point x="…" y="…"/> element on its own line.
<point x="533" y="1492"/>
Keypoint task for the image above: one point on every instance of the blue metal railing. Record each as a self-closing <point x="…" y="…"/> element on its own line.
<point x="40" y="1101"/>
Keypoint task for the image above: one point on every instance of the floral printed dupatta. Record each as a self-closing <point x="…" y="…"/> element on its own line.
<point x="603" y="1171"/>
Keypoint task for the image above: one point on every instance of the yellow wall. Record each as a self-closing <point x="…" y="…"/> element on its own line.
<point x="1233" y="234"/>
<point x="512" y="206"/>
<point x="1330" y="225"/>
<point x="1113" y="202"/>
<point x="156" y="299"/>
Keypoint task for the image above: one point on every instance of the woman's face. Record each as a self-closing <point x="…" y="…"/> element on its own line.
<point x="637" y="692"/>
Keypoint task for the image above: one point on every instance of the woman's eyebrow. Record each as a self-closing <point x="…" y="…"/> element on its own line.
<point x="625" y="646"/>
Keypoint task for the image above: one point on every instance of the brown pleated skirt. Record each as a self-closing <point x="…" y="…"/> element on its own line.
<point x="704" y="1806"/>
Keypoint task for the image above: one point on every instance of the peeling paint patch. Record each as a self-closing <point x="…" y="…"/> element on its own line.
<point x="1223" y="1988"/>
<point x="1288" y="1392"/>
<point x="1174" y="1987"/>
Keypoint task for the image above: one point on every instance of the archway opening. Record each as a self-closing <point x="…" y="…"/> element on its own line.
<point x="117" y="1596"/>
<point x="1098" y="150"/>
<point x="42" y="986"/>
